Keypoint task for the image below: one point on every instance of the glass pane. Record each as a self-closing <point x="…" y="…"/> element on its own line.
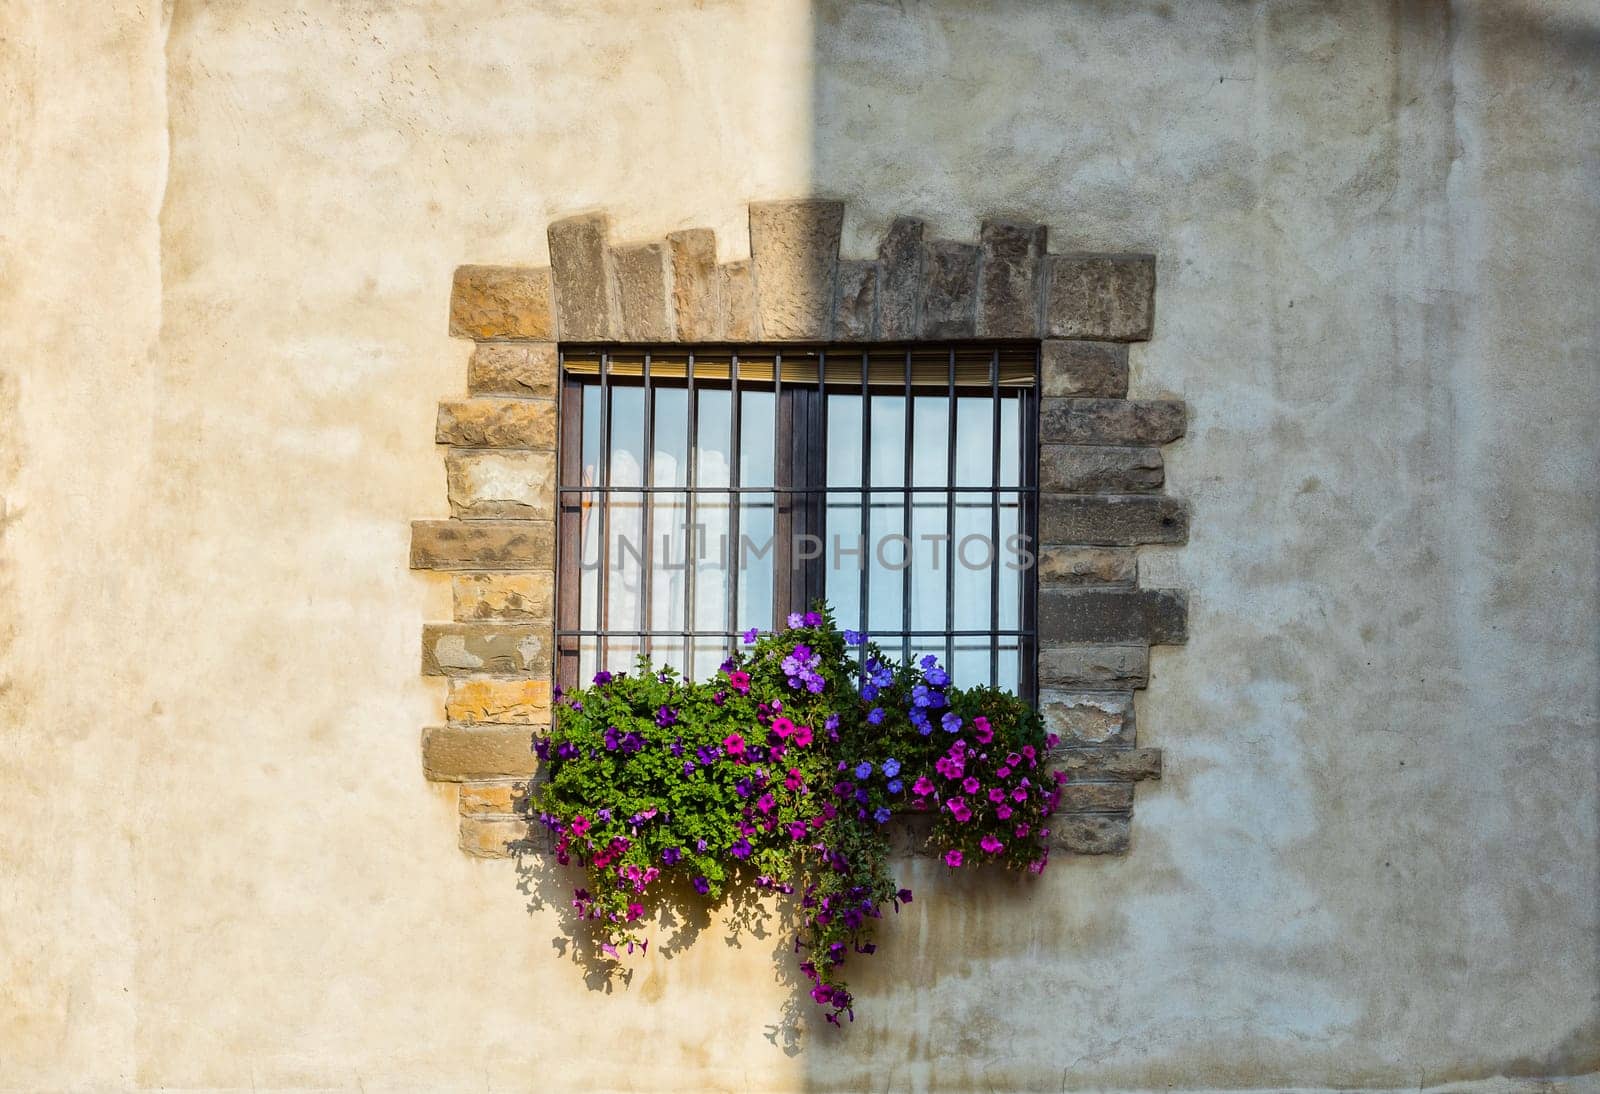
<point x="711" y="553"/>
<point x="971" y="664"/>
<point x="589" y="474"/>
<point x="588" y="660"/>
<point x="845" y="559"/>
<point x="627" y="436"/>
<point x="667" y="650"/>
<point x="930" y="561"/>
<point x="758" y="430"/>
<point x="709" y="653"/>
<point x="754" y="562"/>
<point x="621" y="653"/>
<point x="714" y="437"/>
<point x="1010" y="665"/>
<point x="1010" y="441"/>
<point x="667" y="558"/>
<point x="887" y="565"/>
<point x="973" y="557"/>
<point x="844" y="447"/>
<point x="625" y="563"/>
<point x="671" y="425"/>
<point x="590" y="552"/>
<point x="930" y="440"/>
<point x="886" y="433"/>
<point x="1010" y="577"/>
<point x="974" y="440"/>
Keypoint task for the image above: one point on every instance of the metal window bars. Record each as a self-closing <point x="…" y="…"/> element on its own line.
<point x="800" y="381"/>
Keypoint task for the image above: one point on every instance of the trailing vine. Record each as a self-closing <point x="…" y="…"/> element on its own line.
<point x="783" y="771"/>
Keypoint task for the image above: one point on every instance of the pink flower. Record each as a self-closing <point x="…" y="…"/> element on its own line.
<point x="922" y="787"/>
<point x="1012" y="759"/>
<point x="1003" y="812"/>
<point x="971" y="784"/>
<point x="782" y="726"/>
<point x="797" y="829"/>
<point x="1052" y="741"/>
<point x="1002" y="771"/>
<point x="990" y="844"/>
<point x="1022" y="830"/>
<point x="766" y="803"/>
<point x="996" y="794"/>
<point x="734" y="744"/>
<point x="580" y="824"/>
<point x="740" y="682"/>
<point x="801" y="736"/>
<point x="1019" y="795"/>
<point x="952" y="858"/>
<point x="981" y="730"/>
<point x="958" y="809"/>
<point x="635" y="910"/>
<point x="793" y="780"/>
<point x="1027" y="750"/>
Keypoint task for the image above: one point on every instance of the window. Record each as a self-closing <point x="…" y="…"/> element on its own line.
<point x="706" y="491"/>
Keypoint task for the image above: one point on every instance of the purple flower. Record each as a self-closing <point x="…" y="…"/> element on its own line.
<point x="863" y="769"/>
<point x="854" y="638"/>
<point x="951" y="722"/>
<point x="632" y="742"/>
<point x="602" y="677"/>
<point x="813" y="619"/>
<point x="895" y="786"/>
<point x="881" y="814"/>
<point x="700" y="845"/>
<point x="795" y="619"/>
<point x="740" y="848"/>
<point x="891" y="767"/>
<point x="875" y="716"/>
<point x="612" y="738"/>
<point x="666" y="716"/>
<point x="688" y="768"/>
<point x="742" y="788"/>
<point x="701" y="885"/>
<point x="671" y="855"/>
<point x="751" y="635"/>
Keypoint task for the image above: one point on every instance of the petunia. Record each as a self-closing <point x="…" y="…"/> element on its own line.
<point x="796" y="619"/>
<point x="854" y="638"/>
<point x="580" y="824"/>
<point x="602" y="677"/>
<point x="1003" y="811"/>
<point x="740" y="848"/>
<point x="793" y="780"/>
<point x="970" y="784"/>
<point x="1019" y="795"/>
<point x="997" y="794"/>
<point x="766" y="803"/>
<point x="671" y="855"/>
<point x="958" y="809"/>
<point x="923" y="786"/>
<point x="801" y="736"/>
<point x="951" y="722"/>
<point x="990" y="844"/>
<point x="701" y="885"/>
<point x="1022" y="830"/>
<point x="1002" y="772"/>
<point x="797" y="830"/>
<point x="938" y="677"/>
<point x="952" y="858"/>
<point x="881" y="814"/>
<point x="895" y="786"/>
<point x="863" y="769"/>
<point x="982" y="730"/>
<point x="734" y="744"/>
<point x="875" y="716"/>
<point x="891" y="767"/>
<point x="635" y="911"/>
<point x="750" y="636"/>
<point x="813" y="619"/>
<point x="740" y="682"/>
<point x="782" y="726"/>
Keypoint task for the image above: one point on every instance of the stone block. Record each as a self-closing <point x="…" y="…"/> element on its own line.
<point x="794" y="249"/>
<point x="501" y="483"/>
<point x="501" y="302"/>
<point x="949" y="305"/>
<point x="487" y="649"/>
<point x="511" y="702"/>
<point x="1012" y="256"/>
<point x="1075" y="369"/>
<point x="900" y="281"/>
<point x="497" y="423"/>
<point x="1073" y="566"/>
<point x="1099" y="469"/>
<point x="644" y="311"/>
<point x="1110" y="421"/>
<point x="858" y="296"/>
<point x="482" y="545"/>
<point x="513" y="368"/>
<point x="461" y="753"/>
<point x="1108" y="297"/>
<point x="1123" y="765"/>
<point x="1095" y="666"/>
<point x="1088" y="717"/>
<point x="695" y="284"/>
<point x="1091" y="833"/>
<point x="516" y="596"/>
<point x="736" y="302"/>
<point x="1112" y="519"/>
<point x="493" y="837"/>
<point x="1112" y="616"/>
<point x="504" y="798"/>
<point x="580" y="263"/>
<point x="1093" y="798"/>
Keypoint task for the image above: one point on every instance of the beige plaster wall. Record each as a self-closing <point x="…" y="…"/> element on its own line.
<point x="226" y="239"/>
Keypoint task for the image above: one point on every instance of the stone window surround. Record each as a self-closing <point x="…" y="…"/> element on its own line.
<point x="1100" y="466"/>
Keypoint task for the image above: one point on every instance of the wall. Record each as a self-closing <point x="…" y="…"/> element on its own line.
<point x="228" y="235"/>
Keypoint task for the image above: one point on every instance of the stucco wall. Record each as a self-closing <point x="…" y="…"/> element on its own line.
<point x="227" y="237"/>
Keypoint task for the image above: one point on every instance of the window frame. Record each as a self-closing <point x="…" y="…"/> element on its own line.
<point x="800" y="474"/>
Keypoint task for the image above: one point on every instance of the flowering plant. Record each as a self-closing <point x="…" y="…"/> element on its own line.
<point x="784" y="771"/>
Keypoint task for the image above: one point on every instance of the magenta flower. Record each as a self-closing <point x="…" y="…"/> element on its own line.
<point x="734" y="744"/>
<point x="990" y="844"/>
<point x="922" y="787"/>
<point x="635" y="911"/>
<point x="580" y="824"/>
<point x="958" y="809"/>
<point x="793" y="780"/>
<point x="1022" y="830"/>
<point x="1019" y="795"/>
<point x="740" y="682"/>
<point x="766" y="803"/>
<point x="801" y="736"/>
<point x="981" y="730"/>
<point x="952" y="858"/>
<point x="996" y="794"/>
<point x="1003" y="812"/>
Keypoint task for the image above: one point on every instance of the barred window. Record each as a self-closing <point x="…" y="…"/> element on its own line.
<point x="707" y="491"/>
